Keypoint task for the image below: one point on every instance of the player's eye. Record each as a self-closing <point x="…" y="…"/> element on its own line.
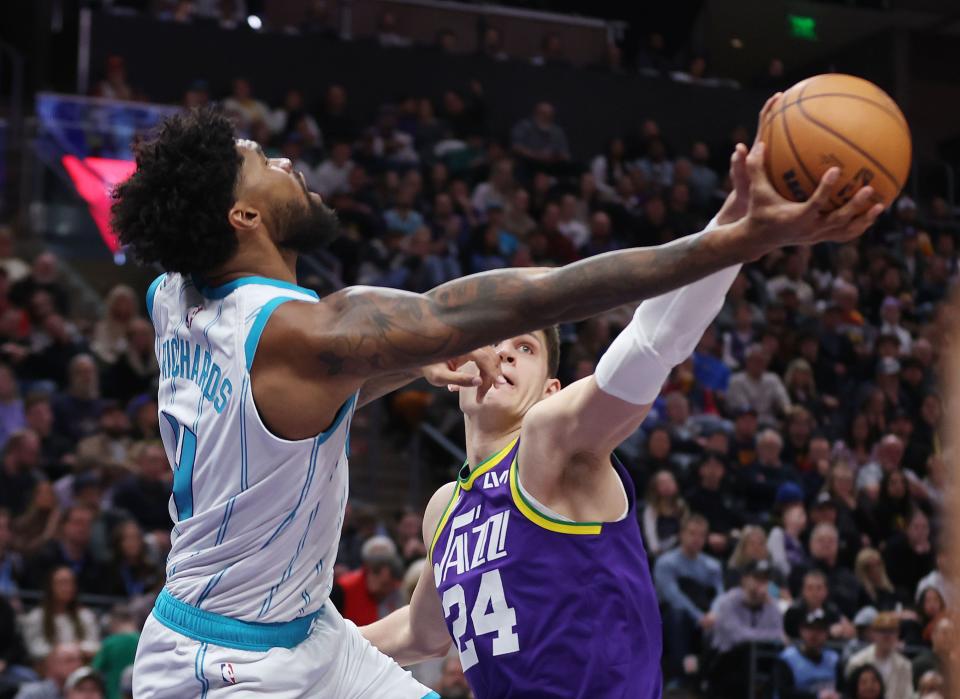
<point x="526" y="348"/>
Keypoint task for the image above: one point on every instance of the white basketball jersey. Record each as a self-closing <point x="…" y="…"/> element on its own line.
<point x="257" y="518"/>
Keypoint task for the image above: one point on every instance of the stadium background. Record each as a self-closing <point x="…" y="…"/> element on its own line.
<point x="407" y="116"/>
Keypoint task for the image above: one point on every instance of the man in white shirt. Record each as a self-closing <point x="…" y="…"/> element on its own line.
<point x="758" y="388"/>
<point x="795" y="267"/>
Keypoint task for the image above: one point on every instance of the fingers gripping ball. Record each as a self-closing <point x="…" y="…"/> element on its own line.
<point x="837" y="120"/>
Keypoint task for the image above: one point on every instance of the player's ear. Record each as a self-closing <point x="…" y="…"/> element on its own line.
<point x="551" y="387"/>
<point x="243" y="216"/>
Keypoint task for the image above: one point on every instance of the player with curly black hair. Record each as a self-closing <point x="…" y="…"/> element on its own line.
<point x="259" y="379"/>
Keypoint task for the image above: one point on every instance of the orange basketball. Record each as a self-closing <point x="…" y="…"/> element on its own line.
<point x="841" y="120"/>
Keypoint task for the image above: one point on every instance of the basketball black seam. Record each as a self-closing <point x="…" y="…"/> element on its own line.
<point x="844" y="139"/>
<point x="793" y="149"/>
<point x="897" y="116"/>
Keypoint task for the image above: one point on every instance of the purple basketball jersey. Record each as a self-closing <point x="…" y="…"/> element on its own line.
<point x="539" y="608"/>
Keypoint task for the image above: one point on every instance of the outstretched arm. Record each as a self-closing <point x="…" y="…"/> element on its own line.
<point x="418" y="631"/>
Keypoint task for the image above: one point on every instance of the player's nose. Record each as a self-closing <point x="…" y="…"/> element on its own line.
<point x="284" y="164"/>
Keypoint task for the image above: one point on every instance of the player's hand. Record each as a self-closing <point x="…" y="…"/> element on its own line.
<point x="774" y="222"/>
<point x="708" y="621"/>
<point x="735" y="207"/>
<point x="452" y="374"/>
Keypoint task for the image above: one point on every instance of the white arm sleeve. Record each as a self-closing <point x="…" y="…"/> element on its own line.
<point x="664" y="331"/>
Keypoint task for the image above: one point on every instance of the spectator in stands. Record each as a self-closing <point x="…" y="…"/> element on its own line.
<point x="499" y="189"/>
<point x="784" y="541"/>
<point x="44" y="276"/>
<point x="333" y="174"/>
<point x="54" y="447"/>
<point x="403" y="217"/>
<point x="808" y="670"/>
<point x="814" y="597"/>
<point x="687" y="582"/>
<point x="11" y="406"/>
<point x="876" y="590"/>
<point x="387" y="34"/>
<point x="757" y="388"/>
<point x="38" y="524"/>
<point x="551" y="52"/>
<point x="882" y="654"/>
<point x="938" y="657"/>
<point x="245" y="109"/>
<point x="117" y="651"/>
<point x="759" y="482"/>
<point x="662" y="515"/>
<point x="751" y="547"/>
<point x="131" y="572"/>
<point x="71" y="549"/>
<point x="114" y="86"/>
<point x="570" y="225"/>
<point x="373" y="591"/>
<point x="844" y="589"/>
<point x="135" y="370"/>
<point x="538" y="140"/>
<point x="145" y="494"/>
<point x="77" y="409"/>
<point x="601" y="238"/>
<point x="16" y="269"/>
<point x="937" y="580"/>
<point x="11" y="563"/>
<point x="19" y="471"/>
<point x="866" y="682"/>
<point x="14" y="663"/>
<point x="453" y="684"/>
<point x="111" y="331"/>
<point x="909" y="554"/>
<point x="60" y="663"/>
<point x="60" y="619"/>
<point x="85" y="683"/>
<point x="742" y="616"/>
<point x="713" y="499"/>
<point x="110" y="446"/>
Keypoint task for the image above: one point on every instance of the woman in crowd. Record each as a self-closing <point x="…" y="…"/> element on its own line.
<point x="132" y="573"/>
<point x="38" y="524"/>
<point x="785" y="544"/>
<point x="662" y="515"/>
<point x="876" y="590"/>
<point x="866" y="683"/>
<point x="60" y="619"/>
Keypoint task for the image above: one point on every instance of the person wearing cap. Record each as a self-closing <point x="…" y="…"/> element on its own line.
<point x="742" y="616"/>
<point x="372" y="592"/>
<point x="758" y="388"/>
<point x="808" y="669"/>
<point x="59" y="665"/>
<point x="882" y="653"/>
<point x="84" y="683"/>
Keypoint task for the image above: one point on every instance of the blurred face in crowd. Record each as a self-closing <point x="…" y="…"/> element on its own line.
<point x="814" y="638"/>
<point x="453" y="683"/>
<point x="45" y="269"/>
<point x="932" y="603"/>
<point x="153" y="464"/>
<point x="824" y="545"/>
<point x="85" y="689"/>
<point x="918" y="531"/>
<point x="40" y="418"/>
<point x="678" y="409"/>
<point x="381" y="581"/>
<point x="665" y="486"/>
<point x="885" y="641"/>
<point x="693" y="537"/>
<point x="524" y="363"/>
<point x="755" y="589"/>
<point x="63" y="586"/>
<point x="868" y="686"/>
<point x="768" y="448"/>
<point x="756" y="362"/>
<point x="943" y="636"/>
<point x="711" y="474"/>
<point x="814" y="591"/>
<point x="77" y="526"/>
<point x="795" y="518"/>
<point x="115" y="422"/>
<point x="745" y="426"/>
<point x="842" y="480"/>
<point x="600" y="226"/>
<point x="5" y="533"/>
<point x="83" y="376"/>
<point x="890" y="452"/>
<point x="543" y="115"/>
<point x="140" y="336"/>
<point x="658" y="444"/>
<point x="62" y="660"/>
<point x="896" y="486"/>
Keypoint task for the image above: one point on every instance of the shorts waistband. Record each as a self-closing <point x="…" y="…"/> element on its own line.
<point x="219" y="630"/>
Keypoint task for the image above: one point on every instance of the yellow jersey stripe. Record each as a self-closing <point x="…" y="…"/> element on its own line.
<point x="443" y="519"/>
<point x="487" y="464"/>
<point x="541" y="520"/>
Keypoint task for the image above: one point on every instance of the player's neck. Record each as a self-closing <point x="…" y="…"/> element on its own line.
<point x="256" y="260"/>
<point x="484" y="443"/>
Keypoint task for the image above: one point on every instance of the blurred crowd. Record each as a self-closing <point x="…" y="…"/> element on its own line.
<point x="790" y="477"/>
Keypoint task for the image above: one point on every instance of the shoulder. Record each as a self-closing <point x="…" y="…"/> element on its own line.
<point x="709" y="562"/>
<point x="435" y="508"/>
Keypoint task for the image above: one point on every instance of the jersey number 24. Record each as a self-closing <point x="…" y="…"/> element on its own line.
<point x="501" y="619"/>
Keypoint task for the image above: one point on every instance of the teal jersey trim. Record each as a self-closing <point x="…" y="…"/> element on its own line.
<point x="259" y="323"/>
<point x="151" y="293"/>
<point x="219" y="292"/>
<point x="207" y="627"/>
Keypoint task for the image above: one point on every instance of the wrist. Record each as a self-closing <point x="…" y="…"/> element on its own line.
<point x="741" y="242"/>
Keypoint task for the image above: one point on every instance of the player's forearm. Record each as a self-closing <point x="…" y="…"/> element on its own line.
<point x="379" y="386"/>
<point x="393" y="636"/>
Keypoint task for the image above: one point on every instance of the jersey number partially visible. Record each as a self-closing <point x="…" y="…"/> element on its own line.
<point x="185" y="454"/>
<point x="500" y="619"/>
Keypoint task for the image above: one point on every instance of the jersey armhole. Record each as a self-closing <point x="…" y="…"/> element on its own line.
<point x="443" y="520"/>
<point x="151" y="294"/>
<point x="541" y="519"/>
<point x="259" y="323"/>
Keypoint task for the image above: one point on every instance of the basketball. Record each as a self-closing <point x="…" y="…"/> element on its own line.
<point x="837" y="120"/>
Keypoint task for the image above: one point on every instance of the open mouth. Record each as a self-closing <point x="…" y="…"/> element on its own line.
<point x="508" y="380"/>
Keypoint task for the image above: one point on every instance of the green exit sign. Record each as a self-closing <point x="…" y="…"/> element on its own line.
<point x="803" y="27"/>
